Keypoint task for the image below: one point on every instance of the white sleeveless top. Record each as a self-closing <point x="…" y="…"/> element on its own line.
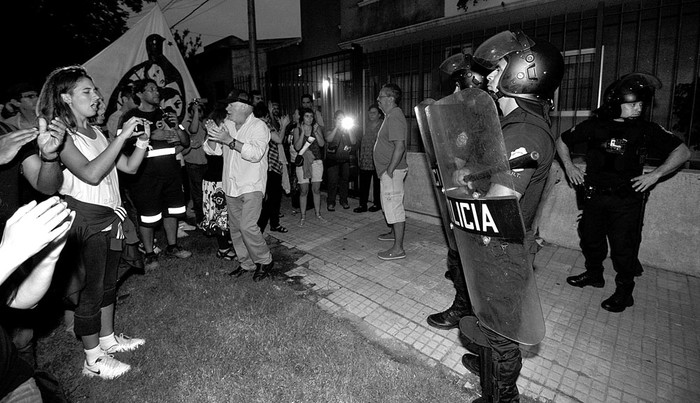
<point x="106" y="193"/>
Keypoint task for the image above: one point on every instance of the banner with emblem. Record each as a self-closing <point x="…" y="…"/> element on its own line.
<point x="147" y="50"/>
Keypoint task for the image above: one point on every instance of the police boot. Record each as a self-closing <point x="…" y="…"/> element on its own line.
<point x="449" y="319"/>
<point x="506" y="375"/>
<point x="509" y="366"/>
<point x="461" y="306"/>
<point x="621" y="299"/>
<point x="587" y="278"/>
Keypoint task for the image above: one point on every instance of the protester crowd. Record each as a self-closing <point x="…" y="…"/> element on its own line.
<point x="89" y="190"/>
<point x="109" y="183"/>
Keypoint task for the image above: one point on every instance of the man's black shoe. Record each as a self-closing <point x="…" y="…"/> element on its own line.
<point x="618" y="302"/>
<point x="262" y="271"/>
<point x="585" y="279"/>
<point x="471" y="362"/>
<point x="360" y="209"/>
<point x="448" y="319"/>
<point x="374" y="208"/>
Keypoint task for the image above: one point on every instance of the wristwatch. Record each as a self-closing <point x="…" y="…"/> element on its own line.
<point x="232" y="145"/>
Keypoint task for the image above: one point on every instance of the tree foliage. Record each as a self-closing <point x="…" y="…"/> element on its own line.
<point x="68" y="31"/>
<point x="464" y="4"/>
<point x="188" y="45"/>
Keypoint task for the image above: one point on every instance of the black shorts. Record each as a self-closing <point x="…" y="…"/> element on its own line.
<point x="158" y="197"/>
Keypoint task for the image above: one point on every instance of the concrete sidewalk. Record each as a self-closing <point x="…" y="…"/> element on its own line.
<point x="648" y="353"/>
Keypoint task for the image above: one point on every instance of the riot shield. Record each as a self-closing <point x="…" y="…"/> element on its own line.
<point x="489" y="231"/>
<point x="432" y="164"/>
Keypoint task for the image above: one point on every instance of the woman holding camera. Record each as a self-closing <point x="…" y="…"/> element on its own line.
<point x="308" y="142"/>
<point x="91" y="189"/>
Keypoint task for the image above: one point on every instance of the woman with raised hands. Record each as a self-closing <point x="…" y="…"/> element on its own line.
<point x="91" y="189"/>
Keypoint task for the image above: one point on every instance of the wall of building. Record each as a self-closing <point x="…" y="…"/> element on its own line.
<point x="671" y="233"/>
<point x="320" y="33"/>
<point x="360" y="20"/>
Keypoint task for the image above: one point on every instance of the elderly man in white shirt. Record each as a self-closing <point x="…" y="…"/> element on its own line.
<point x="243" y="140"/>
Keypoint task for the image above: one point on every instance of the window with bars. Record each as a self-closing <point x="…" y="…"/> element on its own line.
<point x="575" y="94"/>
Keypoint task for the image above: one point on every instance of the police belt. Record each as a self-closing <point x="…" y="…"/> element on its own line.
<point x="623" y="190"/>
<point x="160" y="152"/>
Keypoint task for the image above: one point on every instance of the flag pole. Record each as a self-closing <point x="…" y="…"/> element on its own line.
<point x="253" y="46"/>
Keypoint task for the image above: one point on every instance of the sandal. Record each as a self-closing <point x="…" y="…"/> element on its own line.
<point x="301" y="222"/>
<point x="279" y="228"/>
<point x="226" y="254"/>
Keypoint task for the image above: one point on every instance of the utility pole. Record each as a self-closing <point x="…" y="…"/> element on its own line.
<point x="253" y="46"/>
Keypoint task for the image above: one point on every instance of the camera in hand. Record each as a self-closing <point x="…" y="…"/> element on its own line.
<point x="139" y="128"/>
<point x="169" y="117"/>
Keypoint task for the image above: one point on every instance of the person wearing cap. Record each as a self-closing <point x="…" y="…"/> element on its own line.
<point x="614" y="183"/>
<point x="243" y="142"/>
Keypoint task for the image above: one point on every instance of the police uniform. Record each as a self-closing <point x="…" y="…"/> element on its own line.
<point x="616" y="151"/>
<point x="523" y="132"/>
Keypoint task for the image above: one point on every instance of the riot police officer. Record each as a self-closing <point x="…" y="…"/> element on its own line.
<point x="463" y="73"/>
<point x="615" y="186"/>
<point x="525" y="75"/>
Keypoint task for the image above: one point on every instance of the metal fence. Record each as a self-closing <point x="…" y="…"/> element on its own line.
<point x="661" y="37"/>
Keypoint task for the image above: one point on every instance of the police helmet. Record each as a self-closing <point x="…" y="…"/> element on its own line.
<point x="464" y="72"/>
<point x="534" y="68"/>
<point x="632" y="87"/>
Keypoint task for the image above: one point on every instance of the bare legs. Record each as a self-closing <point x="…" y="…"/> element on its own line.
<point x="303" y="195"/>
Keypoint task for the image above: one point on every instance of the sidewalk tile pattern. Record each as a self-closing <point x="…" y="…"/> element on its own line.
<point x="648" y="353"/>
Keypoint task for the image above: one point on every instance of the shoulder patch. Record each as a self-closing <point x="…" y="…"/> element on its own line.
<point x="666" y="130"/>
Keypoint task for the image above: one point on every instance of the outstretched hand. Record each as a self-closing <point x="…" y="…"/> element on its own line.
<point x="11" y="143"/>
<point x="34" y="226"/>
<point x="51" y="137"/>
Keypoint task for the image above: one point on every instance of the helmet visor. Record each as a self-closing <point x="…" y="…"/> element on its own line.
<point x="454" y="63"/>
<point x="498" y="46"/>
<point x="637" y="81"/>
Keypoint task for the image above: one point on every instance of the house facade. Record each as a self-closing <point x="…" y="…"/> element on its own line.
<point x="404" y="41"/>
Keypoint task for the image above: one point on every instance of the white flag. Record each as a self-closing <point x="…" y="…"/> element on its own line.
<point x="147" y="50"/>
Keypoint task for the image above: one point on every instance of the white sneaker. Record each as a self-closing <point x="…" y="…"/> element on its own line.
<point x="185" y="226"/>
<point x="125" y="343"/>
<point x="181" y="233"/>
<point x="105" y="367"/>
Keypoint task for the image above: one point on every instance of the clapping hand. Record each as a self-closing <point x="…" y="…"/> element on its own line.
<point x="284" y="120"/>
<point x="34" y="226"/>
<point x="11" y="143"/>
<point x="219" y="134"/>
<point x="50" y="138"/>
